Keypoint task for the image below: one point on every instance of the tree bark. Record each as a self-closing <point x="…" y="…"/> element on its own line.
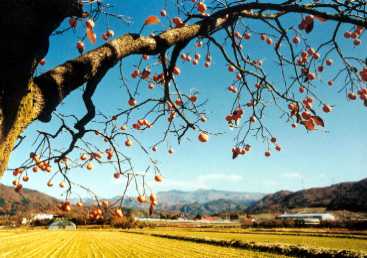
<point x="27" y="111"/>
<point x="26" y="26"/>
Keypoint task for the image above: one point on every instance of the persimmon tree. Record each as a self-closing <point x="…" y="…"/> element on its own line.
<point x="193" y="31"/>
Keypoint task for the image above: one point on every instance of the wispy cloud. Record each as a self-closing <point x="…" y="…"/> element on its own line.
<point x="272" y="183"/>
<point x="220" y="177"/>
<point x="202" y="181"/>
<point x="293" y="175"/>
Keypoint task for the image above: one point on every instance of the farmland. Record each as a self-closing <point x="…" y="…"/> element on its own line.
<point x="107" y="243"/>
<point x="176" y="242"/>
<point x="307" y="239"/>
<point x="294" y="242"/>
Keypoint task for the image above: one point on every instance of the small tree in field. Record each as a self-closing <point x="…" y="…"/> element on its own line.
<point x="193" y="31"/>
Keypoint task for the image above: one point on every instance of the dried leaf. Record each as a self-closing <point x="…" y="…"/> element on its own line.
<point x="91" y="36"/>
<point x="299" y="119"/>
<point x="318" y="120"/>
<point x="152" y="20"/>
<point x="234" y="155"/>
<point x="321" y="19"/>
<point x="309" y="27"/>
<point x="151" y="209"/>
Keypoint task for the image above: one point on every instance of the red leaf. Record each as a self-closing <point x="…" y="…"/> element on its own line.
<point x="321" y="19"/>
<point x="318" y="121"/>
<point x="152" y="20"/>
<point x="309" y="27"/>
<point x="234" y="155"/>
<point x="91" y="36"/>
<point x="151" y="210"/>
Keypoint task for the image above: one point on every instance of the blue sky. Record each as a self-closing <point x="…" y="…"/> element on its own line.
<point x="320" y="158"/>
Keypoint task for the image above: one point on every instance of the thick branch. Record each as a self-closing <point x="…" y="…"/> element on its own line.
<point x="53" y="86"/>
<point x="62" y="80"/>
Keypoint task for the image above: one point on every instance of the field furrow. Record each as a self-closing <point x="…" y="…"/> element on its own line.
<point x="153" y="243"/>
<point x="306" y="241"/>
<point x="109" y="244"/>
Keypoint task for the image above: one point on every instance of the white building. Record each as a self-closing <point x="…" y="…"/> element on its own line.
<point x="43" y="216"/>
<point x="308" y="218"/>
<point x="24" y="221"/>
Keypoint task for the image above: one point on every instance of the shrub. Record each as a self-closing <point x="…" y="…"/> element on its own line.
<point x="125" y="222"/>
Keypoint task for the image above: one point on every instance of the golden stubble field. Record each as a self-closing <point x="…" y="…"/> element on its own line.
<point x="308" y="239"/>
<point x="176" y="242"/>
<point x="102" y="243"/>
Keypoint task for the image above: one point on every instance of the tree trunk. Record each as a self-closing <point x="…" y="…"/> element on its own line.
<point x="27" y="110"/>
<point x="25" y="26"/>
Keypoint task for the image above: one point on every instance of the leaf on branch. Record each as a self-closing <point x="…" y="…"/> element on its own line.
<point x="234" y="155"/>
<point x="318" y="121"/>
<point x="320" y="19"/>
<point x="309" y="27"/>
<point x="91" y="36"/>
<point x="151" y="20"/>
<point x="151" y="209"/>
<point x="299" y="119"/>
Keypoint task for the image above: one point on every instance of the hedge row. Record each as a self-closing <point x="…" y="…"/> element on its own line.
<point x="289" y="250"/>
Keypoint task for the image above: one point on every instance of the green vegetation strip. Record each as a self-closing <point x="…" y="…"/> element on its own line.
<point x="289" y="250"/>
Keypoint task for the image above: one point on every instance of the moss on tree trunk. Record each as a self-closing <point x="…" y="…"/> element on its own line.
<point x="28" y="110"/>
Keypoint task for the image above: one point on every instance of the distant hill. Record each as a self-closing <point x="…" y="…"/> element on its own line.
<point x="175" y="197"/>
<point x="349" y="196"/>
<point x="193" y="203"/>
<point x="344" y="196"/>
<point x="213" y="207"/>
<point x="12" y="203"/>
<point x="203" y="202"/>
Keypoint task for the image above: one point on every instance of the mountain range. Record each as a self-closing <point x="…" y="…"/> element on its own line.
<point x="196" y="202"/>
<point x="202" y="201"/>
<point x="12" y="203"/>
<point x="343" y="196"/>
